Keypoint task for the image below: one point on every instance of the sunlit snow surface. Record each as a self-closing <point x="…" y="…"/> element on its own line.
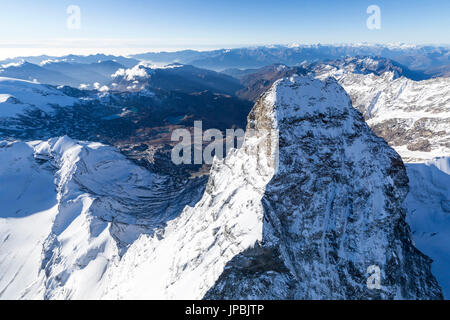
<point x="69" y="209"/>
<point x="16" y="96"/>
<point x="28" y="207"/>
<point x="70" y="226"/>
<point x="405" y="110"/>
<point x="428" y="204"/>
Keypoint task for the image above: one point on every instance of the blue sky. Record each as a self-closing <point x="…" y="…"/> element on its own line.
<point x="173" y="24"/>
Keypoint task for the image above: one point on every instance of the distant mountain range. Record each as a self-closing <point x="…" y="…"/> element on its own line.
<point x="433" y="60"/>
<point x="93" y="206"/>
<point x="75" y="74"/>
<point x="174" y="77"/>
<point x="72" y="58"/>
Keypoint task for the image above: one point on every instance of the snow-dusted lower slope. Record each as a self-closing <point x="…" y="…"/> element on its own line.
<point x="428" y="204"/>
<point x="412" y="116"/>
<point x="16" y="96"/>
<point x="69" y="209"/>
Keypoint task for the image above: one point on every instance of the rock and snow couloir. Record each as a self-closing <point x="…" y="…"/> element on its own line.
<point x="303" y="220"/>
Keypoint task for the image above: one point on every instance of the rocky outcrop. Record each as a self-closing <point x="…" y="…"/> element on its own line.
<point x="308" y="206"/>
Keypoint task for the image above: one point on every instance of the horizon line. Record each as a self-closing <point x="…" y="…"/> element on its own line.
<point x="122" y="51"/>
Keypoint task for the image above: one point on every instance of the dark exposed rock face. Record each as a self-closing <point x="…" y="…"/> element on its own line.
<point x="332" y="209"/>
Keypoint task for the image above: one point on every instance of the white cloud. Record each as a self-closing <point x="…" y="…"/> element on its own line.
<point x="137" y="72"/>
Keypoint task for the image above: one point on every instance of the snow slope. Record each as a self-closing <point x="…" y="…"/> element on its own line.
<point x="17" y="96"/>
<point x="301" y="221"/>
<point x="428" y="204"/>
<point x="69" y="209"/>
<point x="412" y="116"/>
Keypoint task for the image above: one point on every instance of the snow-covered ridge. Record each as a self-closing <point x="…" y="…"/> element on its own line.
<point x="327" y="212"/>
<point x="306" y="225"/>
<point x="16" y="96"/>
<point x="365" y="65"/>
<point x="188" y="260"/>
<point x="428" y="204"/>
<point x="413" y="116"/>
<point x="80" y="205"/>
<point x="74" y="237"/>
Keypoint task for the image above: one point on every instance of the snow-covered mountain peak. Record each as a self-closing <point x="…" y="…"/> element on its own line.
<point x="309" y="230"/>
<point x="314" y="97"/>
<point x="72" y="208"/>
<point x="17" y="96"/>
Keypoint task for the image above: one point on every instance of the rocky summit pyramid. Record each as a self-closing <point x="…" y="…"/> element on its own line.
<point x="310" y="207"/>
